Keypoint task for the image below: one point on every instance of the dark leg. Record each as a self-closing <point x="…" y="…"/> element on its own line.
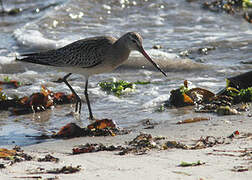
<point x="78" y="99"/>
<point x="87" y="99"/>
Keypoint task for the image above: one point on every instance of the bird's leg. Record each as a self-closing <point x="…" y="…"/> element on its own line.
<point x="60" y="80"/>
<point x="78" y="99"/>
<point x="87" y="99"/>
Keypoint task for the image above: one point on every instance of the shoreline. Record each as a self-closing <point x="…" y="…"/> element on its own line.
<point x="221" y="160"/>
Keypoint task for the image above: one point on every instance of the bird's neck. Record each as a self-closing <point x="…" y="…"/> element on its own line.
<point x="120" y="51"/>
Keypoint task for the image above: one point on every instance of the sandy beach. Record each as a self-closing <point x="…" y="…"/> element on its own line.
<point x="222" y="161"/>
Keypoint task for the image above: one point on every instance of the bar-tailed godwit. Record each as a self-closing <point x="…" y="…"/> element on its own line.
<point x="90" y="56"/>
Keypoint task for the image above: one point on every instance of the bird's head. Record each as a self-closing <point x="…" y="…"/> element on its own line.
<point x="133" y="41"/>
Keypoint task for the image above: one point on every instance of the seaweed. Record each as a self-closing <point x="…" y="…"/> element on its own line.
<point x="101" y="124"/>
<point x="14" y="155"/>
<point x="144" y="142"/>
<point x="7" y="154"/>
<point x="179" y="99"/>
<point x="8" y="83"/>
<point x="62" y="170"/>
<point x="230" y="7"/>
<point x="65" y="170"/>
<point x="187" y="164"/>
<point x="243" y="95"/>
<point x="246" y="3"/>
<point x="226" y="110"/>
<point x="184" y="96"/>
<point x="120" y="87"/>
<point x="103" y="127"/>
<point x="238" y="90"/>
<point x="142" y="82"/>
<point x="241" y="81"/>
<point x="241" y="169"/>
<point x="139" y="145"/>
<point x="161" y="108"/>
<point x="89" y="148"/>
<point x="36" y="102"/>
<point x="48" y="158"/>
<point x="117" y="87"/>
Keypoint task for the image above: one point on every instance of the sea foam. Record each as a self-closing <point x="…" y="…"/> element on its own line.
<point x="35" y="40"/>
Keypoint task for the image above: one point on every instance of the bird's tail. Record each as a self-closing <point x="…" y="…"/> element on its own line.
<point x="32" y="58"/>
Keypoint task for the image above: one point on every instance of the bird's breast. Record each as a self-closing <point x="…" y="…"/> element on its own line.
<point x="118" y="58"/>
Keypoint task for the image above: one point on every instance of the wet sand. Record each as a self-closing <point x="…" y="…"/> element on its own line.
<point x="156" y="164"/>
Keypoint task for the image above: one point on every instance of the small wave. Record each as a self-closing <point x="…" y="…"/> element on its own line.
<point x="35" y="40"/>
<point x="154" y="102"/>
<point x="6" y="60"/>
<point x="167" y="61"/>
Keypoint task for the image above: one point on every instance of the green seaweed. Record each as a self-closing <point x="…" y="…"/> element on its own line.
<point x="120" y="87"/>
<point x="246" y="3"/>
<point x="244" y="95"/>
<point x="183" y="89"/>
<point x="117" y="87"/>
<point x="3" y="96"/>
<point x="142" y="82"/>
<point x="186" y="164"/>
<point x="8" y="80"/>
<point x="161" y="108"/>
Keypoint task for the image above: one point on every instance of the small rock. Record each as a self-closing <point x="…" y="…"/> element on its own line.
<point x="157" y="47"/>
<point x="226" y="110"/>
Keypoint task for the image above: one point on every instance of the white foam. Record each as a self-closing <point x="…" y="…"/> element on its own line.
<point x="154" y="102"/>
<point x="29" y="72"/>
<point x="36" y="40"/>
<point x="208" y="84"/>
<point x="6" y="60"/>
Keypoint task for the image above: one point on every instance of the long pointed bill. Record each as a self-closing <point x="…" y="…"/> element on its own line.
<point x="152" y="62"/>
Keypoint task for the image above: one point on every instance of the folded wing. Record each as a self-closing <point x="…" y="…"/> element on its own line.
<point x="83" y="53"/>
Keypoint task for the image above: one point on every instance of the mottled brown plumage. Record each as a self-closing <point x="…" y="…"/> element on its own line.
<point x="84" y="53"/>
<point x="90" y="56"/>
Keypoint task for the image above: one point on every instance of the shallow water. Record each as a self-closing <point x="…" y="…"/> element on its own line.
<point x="175" y="25"/>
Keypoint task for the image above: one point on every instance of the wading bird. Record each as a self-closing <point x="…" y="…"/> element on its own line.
<point x="90" y="56"/>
